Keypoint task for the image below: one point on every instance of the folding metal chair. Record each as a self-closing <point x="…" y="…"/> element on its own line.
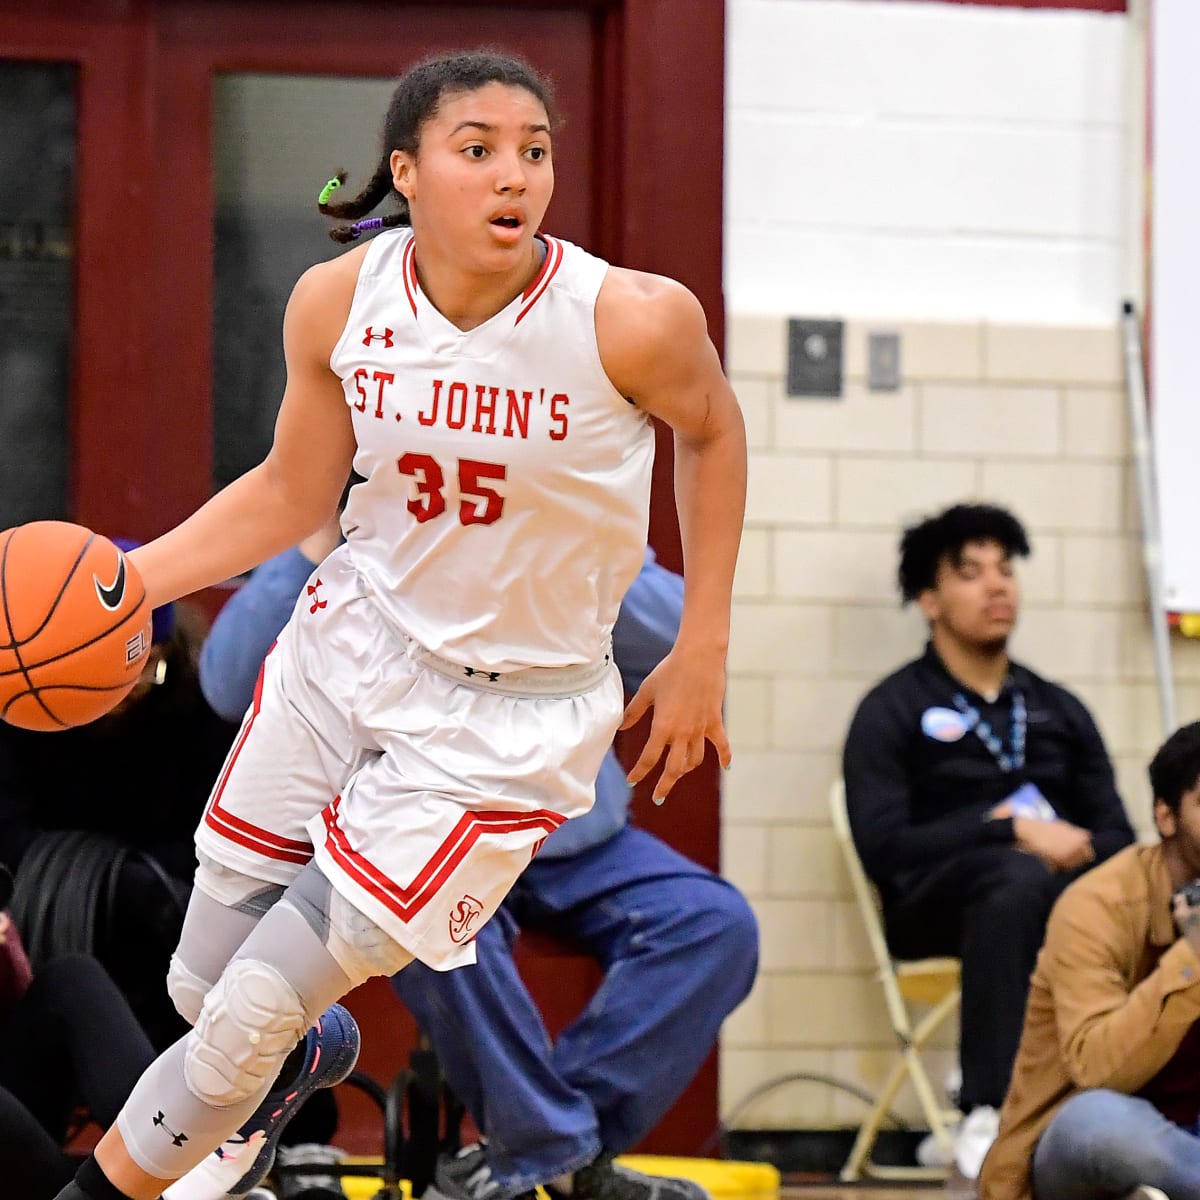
<point x="933" y="983"/>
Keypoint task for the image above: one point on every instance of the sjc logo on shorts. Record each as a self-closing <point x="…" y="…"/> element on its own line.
<point x="464" y="919"/>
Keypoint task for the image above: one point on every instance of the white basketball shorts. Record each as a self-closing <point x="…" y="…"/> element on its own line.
<point x="422" y="788"/>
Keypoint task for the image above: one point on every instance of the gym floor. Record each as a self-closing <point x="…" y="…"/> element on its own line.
<point x="362" y="1190"/>
<point x="853" y="1192"/>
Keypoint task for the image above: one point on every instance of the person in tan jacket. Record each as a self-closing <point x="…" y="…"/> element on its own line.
<point x="1105" y="1093"/>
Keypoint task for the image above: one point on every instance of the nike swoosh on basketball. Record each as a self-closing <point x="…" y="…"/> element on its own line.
<point x="112" y="595"/>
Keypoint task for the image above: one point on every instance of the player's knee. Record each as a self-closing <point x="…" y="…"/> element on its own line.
<point x="186" y="989"/>
<point x="248" y="1024"/>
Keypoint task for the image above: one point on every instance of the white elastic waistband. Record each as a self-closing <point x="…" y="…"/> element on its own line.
<point x="529" y="681"/>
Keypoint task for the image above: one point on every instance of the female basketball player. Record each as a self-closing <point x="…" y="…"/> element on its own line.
<point x="444" y="693"/>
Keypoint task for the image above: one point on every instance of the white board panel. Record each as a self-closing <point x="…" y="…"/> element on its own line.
<point x="1175" y="293"/>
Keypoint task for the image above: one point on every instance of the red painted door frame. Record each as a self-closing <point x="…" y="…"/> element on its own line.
<point x="141" y="372"/>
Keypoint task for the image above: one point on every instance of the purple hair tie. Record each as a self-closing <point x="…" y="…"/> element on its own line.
<point x="360" y="227"/>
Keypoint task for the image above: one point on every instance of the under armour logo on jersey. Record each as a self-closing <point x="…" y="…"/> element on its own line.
<point x="312" y="591"/>
<point x="463" y="917"/>
<point x="371" y="336"/>
<point x="471" y="672"/>
<point x="177" y="1139"/>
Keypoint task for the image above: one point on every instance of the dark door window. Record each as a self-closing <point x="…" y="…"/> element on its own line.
<point x="37" y="206"/>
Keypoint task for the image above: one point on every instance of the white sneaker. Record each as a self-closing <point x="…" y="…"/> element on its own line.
<point x="214" y="1176"/>
<point x="974" y="1139"/>
<point x="1146" y="1192"/>
<point x="931" y="1152"/>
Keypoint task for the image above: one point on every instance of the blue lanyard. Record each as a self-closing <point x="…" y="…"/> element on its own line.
<point x="1014" y="758"/>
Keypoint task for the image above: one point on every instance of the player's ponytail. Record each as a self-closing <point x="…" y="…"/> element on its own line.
<point x="376" y="191"/>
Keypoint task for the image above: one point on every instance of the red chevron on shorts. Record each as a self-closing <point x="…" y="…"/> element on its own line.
<point x="406" y="902"/>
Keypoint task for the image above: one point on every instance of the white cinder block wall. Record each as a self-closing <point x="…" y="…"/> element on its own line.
<point x="961" y="175"/>
<point x="941" y="160"/>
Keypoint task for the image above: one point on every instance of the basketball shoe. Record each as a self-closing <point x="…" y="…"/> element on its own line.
<point x="299" y="1174"/>
<point x="604" y="1179"/>
<point x="212" y="1179"/>
<point x="330" y="1052"/>
<point x="467" y="1176"/>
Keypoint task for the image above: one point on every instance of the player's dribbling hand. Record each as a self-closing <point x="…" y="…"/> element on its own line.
<point x="686" y="691"/>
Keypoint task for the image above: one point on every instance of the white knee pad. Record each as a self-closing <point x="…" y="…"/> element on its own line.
<point x="248" y="1025"/>
<point x="186" y="989"/>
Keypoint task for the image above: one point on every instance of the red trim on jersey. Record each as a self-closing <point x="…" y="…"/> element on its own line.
<point x="537" y="289"/>
<point x="550" y="245"/>
<point x="408" y="269"/>
<point x="234" y="828"/>
<point x="407" y="902"/>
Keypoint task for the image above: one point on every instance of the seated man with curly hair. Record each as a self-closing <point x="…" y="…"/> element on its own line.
<point x="977" y="790"/>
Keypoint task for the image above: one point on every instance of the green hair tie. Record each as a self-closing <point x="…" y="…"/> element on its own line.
<point x="328" y="190"/>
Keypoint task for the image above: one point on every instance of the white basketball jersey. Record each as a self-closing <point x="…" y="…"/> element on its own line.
<point x="507" y="482"/>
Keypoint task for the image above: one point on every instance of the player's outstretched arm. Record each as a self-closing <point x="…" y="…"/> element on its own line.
<point x="295" y="488"/>
<point x="655" y="346"/>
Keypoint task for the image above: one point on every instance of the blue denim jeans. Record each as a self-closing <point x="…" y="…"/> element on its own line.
<point x="1102" y="1144"/>
<point x="679" y="949"/>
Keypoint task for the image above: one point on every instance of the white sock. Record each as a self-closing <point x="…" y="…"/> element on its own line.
<point x="212" y="1179"/>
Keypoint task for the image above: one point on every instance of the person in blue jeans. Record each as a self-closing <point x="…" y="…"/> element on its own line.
<point x="678" y="947"/>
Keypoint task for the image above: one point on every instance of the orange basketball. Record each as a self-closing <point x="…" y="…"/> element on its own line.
<point x="74" y="625"/>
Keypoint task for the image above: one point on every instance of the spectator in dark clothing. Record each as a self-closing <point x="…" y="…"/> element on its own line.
<point x="69" y="1039"/>
<point x="97" y="822"/>
<point x="68" y="1042"/>
<point x="976" y="790"/>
